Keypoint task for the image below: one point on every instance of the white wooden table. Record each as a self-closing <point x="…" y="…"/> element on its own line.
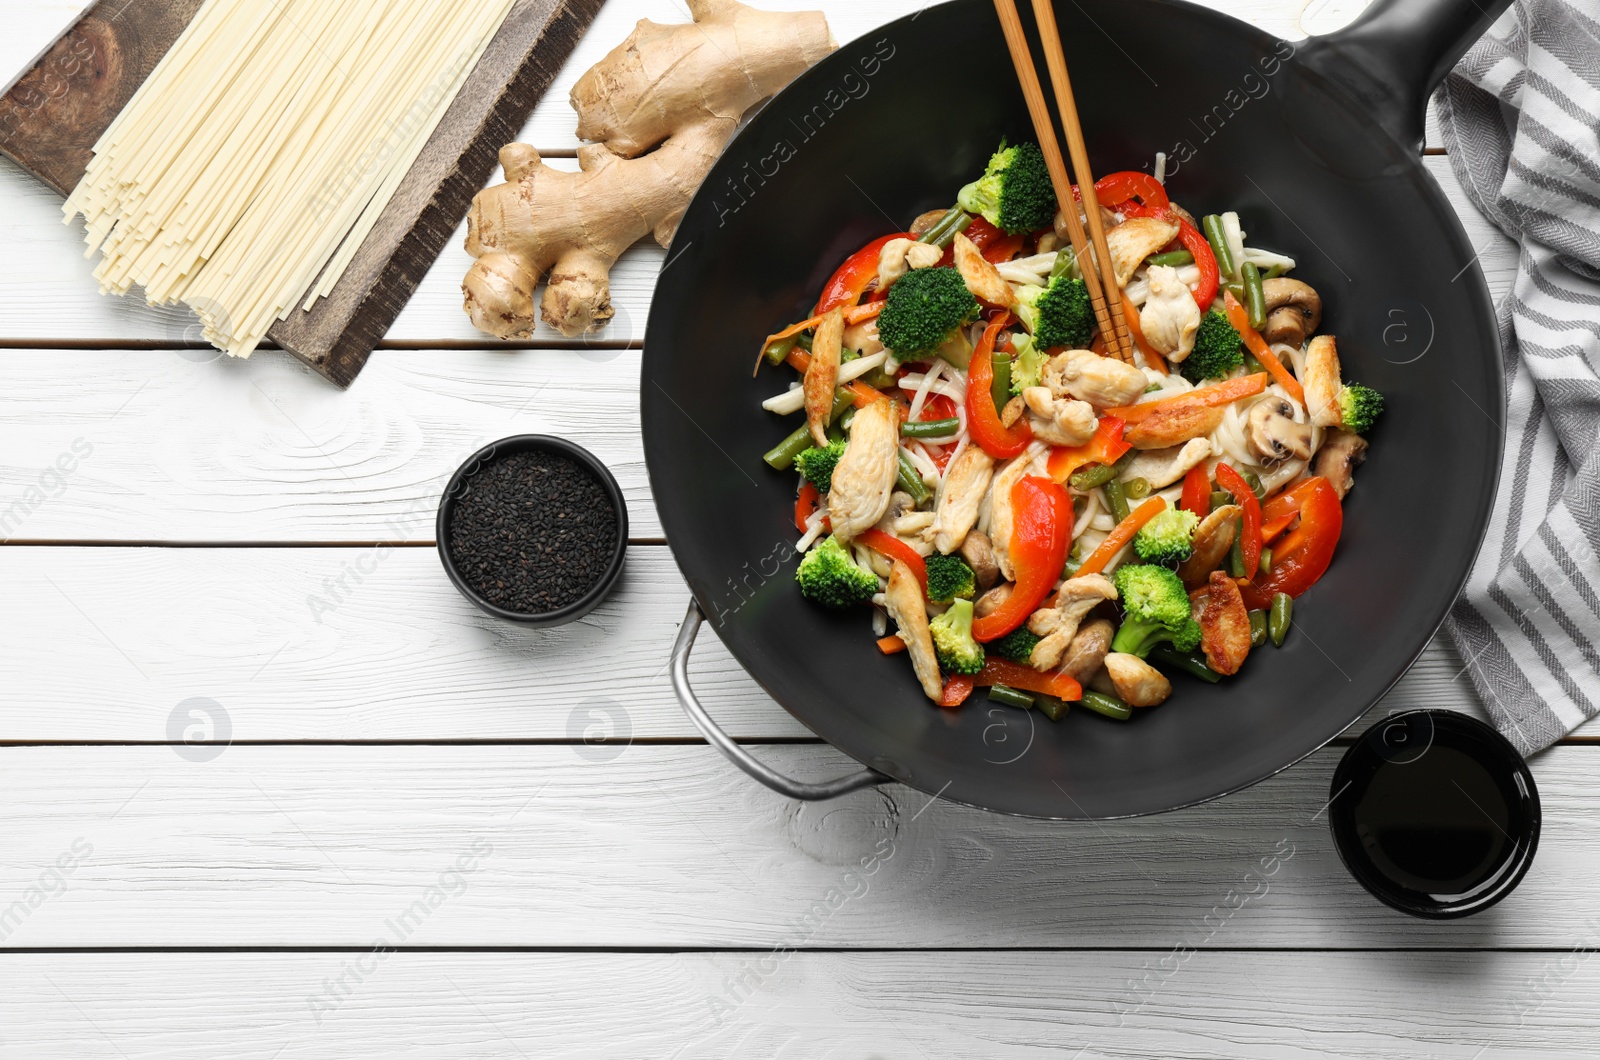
<point x="398" y="843"/>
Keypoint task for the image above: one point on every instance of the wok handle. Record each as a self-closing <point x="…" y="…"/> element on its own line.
<point x="794" y="789"/>
<point x="1397" y="52"/>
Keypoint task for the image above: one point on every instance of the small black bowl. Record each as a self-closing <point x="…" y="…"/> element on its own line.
<point x="520" y="443"/>
<point x="1435" y="814"/>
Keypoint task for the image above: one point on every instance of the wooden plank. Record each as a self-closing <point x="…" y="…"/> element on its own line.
<point x="669" y="846"/>
<point x="890" y="1006"/>
<point x="104" y="641"/>
<point x="52" y="117"/>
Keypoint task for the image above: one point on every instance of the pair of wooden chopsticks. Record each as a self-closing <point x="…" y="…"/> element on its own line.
<point x="1105" y="294"/>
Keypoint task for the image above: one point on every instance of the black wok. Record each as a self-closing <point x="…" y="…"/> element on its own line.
<point x="1316" y="144"/>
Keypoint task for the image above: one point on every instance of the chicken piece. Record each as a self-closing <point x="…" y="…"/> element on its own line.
<point x="981" y="278"/>
<point x="1294" y="309"/>
<point x="1028" y="462"/>
<point x="1162" y="467"/>
<point x="1224" y="624"/>
<point x="1322" y="381"/>
<point x="1165" y="428"/>
<point x="966" y="482"/>
<point x="1138" y="684"/>
<point x="822" y="375"/>
<point x="1059" y="421"/>
<point x="1108" y="221"/>
<point x="1088" y="650"/>
<point x="1337" y="460"/>
<point x="903" y="599"/>
<point x="1058" y="624"/>
<point x="900" y="256"/>
<point x="1274" y="435"/>
<point x="980" y="557"/>
<point x="1136" y="239"/>
<point x="1170" y="317"/>
<point x="1104" y="382"/>
<point x="863" y="338"/>
<point x="990" y="602"/>
<point x="865" y="475"/>
<point x="1212" y="540"/>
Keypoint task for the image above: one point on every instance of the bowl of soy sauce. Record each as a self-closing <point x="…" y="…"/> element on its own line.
<point x="1435" y="814"/>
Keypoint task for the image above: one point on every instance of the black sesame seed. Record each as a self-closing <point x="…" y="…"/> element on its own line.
<point x="532" y="531"/>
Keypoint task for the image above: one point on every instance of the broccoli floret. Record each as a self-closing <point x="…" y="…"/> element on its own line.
<point x="1168" y="539"/>
<point x="1359" y="407"/>
<point x="1059" y="315"/>
<point x="922" y="308"/>
<point x="949" y="577"/>
<point x="958" y="652"/>
<point x="827" y="575"/>
<point x="1217" y="350"/>
<point x="1155" y="609"/>
<point x="1014" y="194"/>
<point x="1017" y="645"/>
<point x="817" y="464"/>
<point x="1027" y="363"/>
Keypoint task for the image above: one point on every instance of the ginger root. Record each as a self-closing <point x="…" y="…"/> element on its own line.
<point x="683" y="88"/>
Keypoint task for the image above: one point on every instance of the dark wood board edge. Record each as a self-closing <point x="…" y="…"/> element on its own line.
<point x="339" y="332"/>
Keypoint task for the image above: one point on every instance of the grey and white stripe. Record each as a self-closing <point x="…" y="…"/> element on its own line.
<point x="1521" y="120"/>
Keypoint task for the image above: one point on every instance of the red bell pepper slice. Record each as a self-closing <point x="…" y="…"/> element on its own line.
<point x="957" y="687"/>
<point x="1205" y="260"/>
<point x="1115" y="189"/>
<point x="805" y="504"/>
<point x="1250" y="539"/>
<point x="1197" y="491"/>
<point x="983" y="419"/>
<point x="1304" y="554"/>
<point x="1280" y="511"/>
<point x="998" y="671"/>
<point x="846" y="286"/>
<point x="1040" y="537"/>
<point x="1106" y="447"/>
<point x="894" y="548"/>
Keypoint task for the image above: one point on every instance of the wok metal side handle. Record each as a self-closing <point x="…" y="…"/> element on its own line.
<point x="794" y="789"/>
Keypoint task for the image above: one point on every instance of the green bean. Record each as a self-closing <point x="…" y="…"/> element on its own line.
<point x="781" y="456"/>
<point x="1010" y="697"/>
<point x="947" y="233"/>
<point x="1272" y="273"/>
<point x="1218" y="238"/>
<point x="1236" y="553"/>
<point x="878" y="379"/>
<point x="1265" y="566"/>
<point x="1235" y="289"/>
<point x="1051" y="707"/>
<point x="1136" y="489"/>
<point x="1110" y="706"/>
<point x="910" y="479"/>
<point x="1282" y="615"/>
<point x="938" y="227"/>
<point x="1092" y="477"/>
<point x="1172" y="259"/>
<point x="777" y="351"/>
<point x="1254" y="300"/>
<point x="1258" y="628"/>
<point x="1116" y="500"/>
<point x="1253" y="480"/>
<point x="1192" y="663"/>
<point x="1219" y="498"/>
<point x="1251" y="365"/>
<point x="1000" y="388"/>
<point x="930" y="428"/>
<point x="1124" y="460"/>
<point x="803" y="340"/>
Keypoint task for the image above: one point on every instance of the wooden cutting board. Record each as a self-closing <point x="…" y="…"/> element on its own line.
<point x="55" y="112"/>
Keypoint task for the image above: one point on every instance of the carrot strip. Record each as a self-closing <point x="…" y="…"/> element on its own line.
<point x="852" y="315"/>
<point x="998" y="671"/>
<point x="891" y="645"/>
<point x="1240" y="319"/>
<point x="1130" y="313"/>
<point x="957" y="687"/>
<point x="1202" y="397"/>
<point x="1120" y="536"/>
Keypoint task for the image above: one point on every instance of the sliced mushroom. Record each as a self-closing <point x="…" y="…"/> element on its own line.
<point x="1136" y="239"/>
<point x="1338" y="459"/>
<point x="1008" y="475"/>
<point x="822" y="375"/>
<point x="903" y="600"/>
<point x="1059" y="421"/>
<point x="982" y="279"/>
<point x="1322" y="381"/>
<point x="980" y="557"/>
<point x="1108" y="221"/>
<point x="865" y="475"/>
<point x="990" y="602"/>
<point x="966" y="483"/>
<point x="1163" y="467"/>
<point x="925" y="222"/>
<point x="1212" y="540"/>
<point x="1274" y="434"/>
<point x="1171" y="426"/>
<point x="1012" y="412"/>
<point x="1104" y="382"/>
<point x="1224" y="624"/>
<point x="1294" y="310"/>
<point x="1169" y="317"/>
<point x="1058" y="624"/>
<point x="1088" y="650"/>
<point x="1138" y="684"/>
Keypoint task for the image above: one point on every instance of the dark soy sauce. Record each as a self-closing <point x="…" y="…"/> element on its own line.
<point x="1435" y="814"/>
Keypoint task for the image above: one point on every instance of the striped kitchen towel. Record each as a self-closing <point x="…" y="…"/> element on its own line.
<point x="1521" y="118"/>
